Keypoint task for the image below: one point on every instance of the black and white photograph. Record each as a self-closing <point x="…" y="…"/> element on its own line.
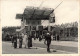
<point x="39" y="26"/>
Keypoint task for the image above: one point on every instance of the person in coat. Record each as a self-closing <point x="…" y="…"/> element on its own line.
<point x="20" y="41"/>
<point x="15" y="40"/>
<point x="29" y="41"/>
<point x="48" y="40"/>
<point x="58" y="37"/>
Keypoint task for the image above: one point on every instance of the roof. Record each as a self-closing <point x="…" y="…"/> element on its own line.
<point x="36" y="13"/>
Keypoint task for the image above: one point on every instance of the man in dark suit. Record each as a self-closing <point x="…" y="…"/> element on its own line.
<point x="48" y="40"/>
<point x="15" y="40"/>
<point x="20" y="41"/>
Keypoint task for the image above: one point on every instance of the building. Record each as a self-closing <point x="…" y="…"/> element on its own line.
<point x="31" y="19"/>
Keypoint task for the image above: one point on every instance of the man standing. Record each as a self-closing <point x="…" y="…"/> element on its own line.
<point x="15" y="40"/>
<point x="58" y="37"/>
<point x="48" y="40"/>
<point x="20" y="41"/>
<point x="29" y="41"/>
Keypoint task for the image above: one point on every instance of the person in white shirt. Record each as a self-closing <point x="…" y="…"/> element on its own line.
<point x="25" y="39"/>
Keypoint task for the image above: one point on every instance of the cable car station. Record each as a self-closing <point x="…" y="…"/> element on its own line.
<point x="31" y="20"/>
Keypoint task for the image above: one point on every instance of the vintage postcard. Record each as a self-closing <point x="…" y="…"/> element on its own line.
<point x="39" y="27"/>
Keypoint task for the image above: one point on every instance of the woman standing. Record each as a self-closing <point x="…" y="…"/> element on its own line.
<point x="25" y="39"/>
<point x="29" y="41"/>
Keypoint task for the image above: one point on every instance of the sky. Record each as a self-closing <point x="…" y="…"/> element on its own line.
<point x="67" y="12"/>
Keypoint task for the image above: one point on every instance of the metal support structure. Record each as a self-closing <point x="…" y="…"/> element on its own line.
<point x="49" y="26"/>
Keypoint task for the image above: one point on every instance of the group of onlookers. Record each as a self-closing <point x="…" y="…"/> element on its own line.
<point x="27" y="40"/>
<point x="21" y="39"/>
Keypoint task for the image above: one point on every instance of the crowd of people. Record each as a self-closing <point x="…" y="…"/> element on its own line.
<point x="27" y="40"/>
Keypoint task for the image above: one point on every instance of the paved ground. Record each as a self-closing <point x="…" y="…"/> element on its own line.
<point x="61" y="47"/>
<point x="68" y="46"/>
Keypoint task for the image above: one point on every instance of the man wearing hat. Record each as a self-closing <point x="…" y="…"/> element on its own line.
<point x="20" y="41"/>
<point x="48" y="40"/>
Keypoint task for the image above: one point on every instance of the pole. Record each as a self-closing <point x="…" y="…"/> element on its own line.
<point x="49" y="27"/>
